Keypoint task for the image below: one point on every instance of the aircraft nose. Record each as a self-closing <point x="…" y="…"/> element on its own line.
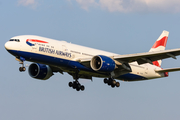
<point x="7" y="45"/>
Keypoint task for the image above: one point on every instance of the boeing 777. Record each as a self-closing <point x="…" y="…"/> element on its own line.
<point x="49" y="56"/>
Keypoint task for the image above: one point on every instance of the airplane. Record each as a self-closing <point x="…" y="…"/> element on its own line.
<point x="49" y="56"/>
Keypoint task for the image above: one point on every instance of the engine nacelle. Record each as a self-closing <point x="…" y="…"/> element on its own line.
<point x="102" y="64"/>
<point x="40" y="71"/>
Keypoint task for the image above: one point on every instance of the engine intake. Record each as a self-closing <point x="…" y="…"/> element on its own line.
<point x="40" y="71"/>
<point x="102" y="63"/>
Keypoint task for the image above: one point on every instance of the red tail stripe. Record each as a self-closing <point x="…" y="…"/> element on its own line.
<point x="156" y="63"/>
<point x="34" y="40"/>
<point x="161" y="42"/>
<point x="166" y="74"/>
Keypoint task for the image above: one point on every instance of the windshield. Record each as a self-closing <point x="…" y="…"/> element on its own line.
<point x="17" y="40"/>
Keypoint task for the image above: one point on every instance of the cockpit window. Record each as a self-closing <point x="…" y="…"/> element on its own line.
<point x="17" y="40"/>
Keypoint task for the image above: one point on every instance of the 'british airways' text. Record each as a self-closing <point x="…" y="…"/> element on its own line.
<point x="52" y="51"/>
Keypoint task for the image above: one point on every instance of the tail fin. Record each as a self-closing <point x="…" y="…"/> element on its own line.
<point x="159" y="45"/>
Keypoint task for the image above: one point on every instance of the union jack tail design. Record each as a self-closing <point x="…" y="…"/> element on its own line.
<point x="159" y="45"/>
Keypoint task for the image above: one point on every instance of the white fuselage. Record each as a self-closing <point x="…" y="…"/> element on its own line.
<point x="67" y="56"/>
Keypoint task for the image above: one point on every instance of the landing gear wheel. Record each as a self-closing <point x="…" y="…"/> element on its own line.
<point x="77" y="88"/>
<point x="117" y="84"/>
<point x="70" y="84"/>
<point x="82" y="88"/>
<point x="112" y="85"/>
<point x="105" y="80"/>
<point x="111" y="82"/>
<point x="21" y="69"/>
<point x="76" y="85"/>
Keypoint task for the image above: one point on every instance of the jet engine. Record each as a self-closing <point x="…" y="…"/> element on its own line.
<point x="40" y="71"/>
<point x="102" y="63"/>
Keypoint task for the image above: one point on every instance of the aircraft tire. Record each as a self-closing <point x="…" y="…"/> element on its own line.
<point x="23" y="69"/>
<point x="77" y="88"/>
<point x="113" y="82"/>
<point x="109" y="82"/>
<point x="117" y="84"/>
<point x="20" y="69"/>
<point x="82" y="87"/>
<point x="112" y="85"/>
<point x="74" y="85"/>
<point x="105" y="80"/>
<point x="70" y="84"/>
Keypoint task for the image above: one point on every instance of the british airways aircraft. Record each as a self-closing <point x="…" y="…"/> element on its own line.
<point x="78" y="61"/>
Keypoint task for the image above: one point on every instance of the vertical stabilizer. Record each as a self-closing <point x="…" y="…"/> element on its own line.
<point x="159" y="45"/>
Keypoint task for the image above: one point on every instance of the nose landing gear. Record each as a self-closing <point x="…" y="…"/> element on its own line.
<point x="21" y="61"/>
<point x="111" y="82"/>
<point x="22" y="69"/>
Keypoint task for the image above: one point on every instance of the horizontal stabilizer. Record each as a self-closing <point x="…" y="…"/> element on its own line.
<point x="168" y="70"/>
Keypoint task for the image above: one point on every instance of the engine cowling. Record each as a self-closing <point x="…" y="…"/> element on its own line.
<point x="40" y="71"/>
<point x="102" y="63"/>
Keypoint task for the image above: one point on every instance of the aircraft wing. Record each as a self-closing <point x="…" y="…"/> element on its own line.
<point x="148" y="57"/>
<point x="141" y="58"/>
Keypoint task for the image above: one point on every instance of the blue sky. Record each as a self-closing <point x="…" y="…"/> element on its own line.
<point x="119" y="26"/>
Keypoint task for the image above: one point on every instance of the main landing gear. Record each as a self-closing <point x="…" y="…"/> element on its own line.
<point x="76" y="85"/>
<point x="111" y="82"/>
